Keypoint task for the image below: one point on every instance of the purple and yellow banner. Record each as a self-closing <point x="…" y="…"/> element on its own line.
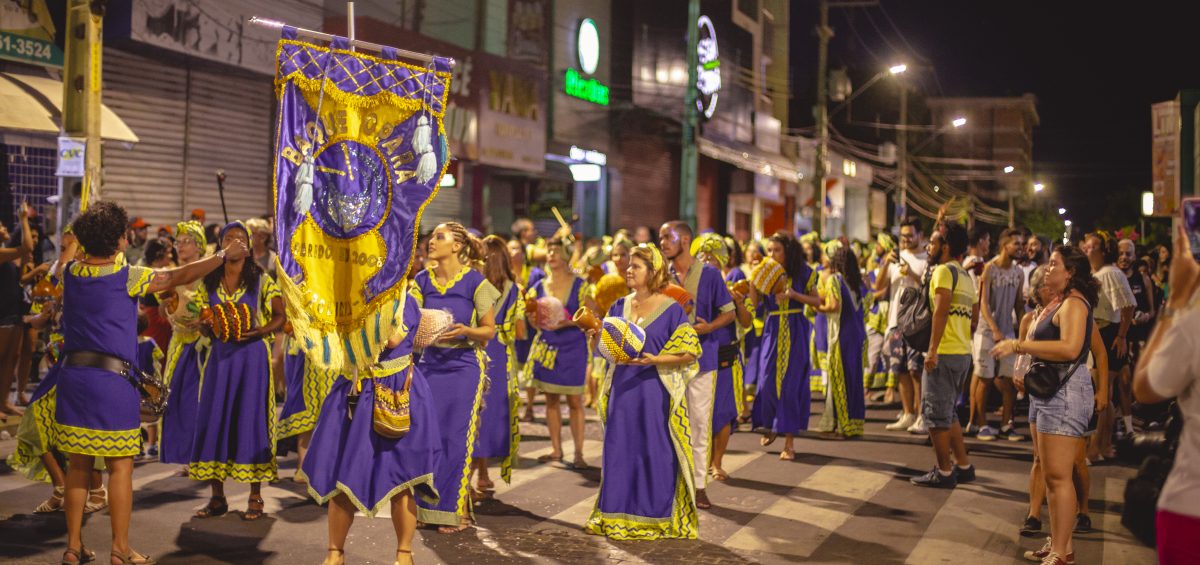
<point x="359" y="152"/>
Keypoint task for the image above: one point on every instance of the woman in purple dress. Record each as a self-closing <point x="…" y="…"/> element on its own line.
<point x="96" y="412"/>
<point x="185" y="354"/>
<point x="307" y="386"/>
<point x="526" y="274"/>
<point x="646" y="490"/>
<point x="455" y="366"/>
<point x="499" y="433"/>
<point x="558" y="359"/>
<point x="235" y="422"/>
<point x="845" y="404"/>
<point x="353" y="468"/>
<point x="782" y="403"/>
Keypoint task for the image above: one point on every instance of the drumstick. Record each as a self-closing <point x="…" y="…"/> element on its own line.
<point x="558" y="216"/>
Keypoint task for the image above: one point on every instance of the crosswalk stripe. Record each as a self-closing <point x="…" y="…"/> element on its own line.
<point x="775" y="529"/>
<point x="967" y="516"/>
<point x="1120" y="546"/>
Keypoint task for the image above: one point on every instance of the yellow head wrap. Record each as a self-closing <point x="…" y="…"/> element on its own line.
<point x="832" y="246"/>
<point x="713" y="245"/>
<point x="194" y="230"/>
<point x="656" y="257"/>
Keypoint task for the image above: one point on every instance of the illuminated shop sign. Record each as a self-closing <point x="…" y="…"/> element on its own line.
<point x="708" y="71"/>
<point x="587" y="51"/>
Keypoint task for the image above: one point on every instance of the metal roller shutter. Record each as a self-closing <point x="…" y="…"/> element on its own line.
<point x="151" y="97"/>
<point x="230" y="127"/>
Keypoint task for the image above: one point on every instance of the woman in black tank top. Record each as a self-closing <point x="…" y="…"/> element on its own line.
<point x="1060" y="336"/>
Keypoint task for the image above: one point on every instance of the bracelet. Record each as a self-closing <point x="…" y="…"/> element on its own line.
<point x="1017" y="347"/>
<point x="220" y="254"/>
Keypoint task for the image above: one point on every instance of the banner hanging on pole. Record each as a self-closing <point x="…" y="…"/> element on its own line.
<point x="360" y="151"/>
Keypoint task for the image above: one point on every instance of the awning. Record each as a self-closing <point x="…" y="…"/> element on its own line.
<point x="752" y="159"/>
<point x="33" y="104"/>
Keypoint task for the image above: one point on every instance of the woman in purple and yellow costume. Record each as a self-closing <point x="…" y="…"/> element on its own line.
<point x="185" y="353"/>
<point x="646" y="490"/>
<point x="558" y="359"/>
<point x="782" y="403"/>
<point x="750" y="257"/>
<point x="307" y="386"/>
<point x="97" y="408"/>
<point x="845" y="404"/>
<point x="499" y="432"/>
<point x="353" y="468"/>
<point x="235" y="421"/>
<point x="455" y="366"/>
<point x="819" y="347"/>
<point x="729" y="396"/>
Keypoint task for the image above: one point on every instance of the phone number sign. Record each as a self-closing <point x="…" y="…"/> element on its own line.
<point x="29" y="50"/>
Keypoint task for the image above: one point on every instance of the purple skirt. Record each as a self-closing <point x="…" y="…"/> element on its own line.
<point x="782" y="403"/>
<point x="724" y="401"/>
<point x="497" y="416"/>
<point x="456" y="385"/>
<point x="178" y="426"/>
<point x="235" y="423"/>
<point x="97" y="413"/>
<point x="306" y="390"/>
<point x="559" y="361"/>
<point x="347" y="457"/>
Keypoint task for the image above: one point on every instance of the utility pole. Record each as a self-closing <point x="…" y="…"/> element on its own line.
<point x="902" y="155"/>
<point x="81" y="100"/>
<point x="689" y="156"/>
<point x="821" y="113"/>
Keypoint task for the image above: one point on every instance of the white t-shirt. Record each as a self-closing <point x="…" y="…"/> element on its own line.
<point x="917" y="263"/>
<point x="1115" y="294"/>
<point x="1174" y="371"/>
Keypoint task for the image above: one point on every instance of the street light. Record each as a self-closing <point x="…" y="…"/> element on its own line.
<point x="1062" y="211"/>
<point x="956" y="123"/>
<point x="897" y="69"/>
<point x="891" y="71"/>
<point x="1009" y="169"/>
<point x="959" y="122"/>
<point x="1038" y="187"/>
<point x="1067" y="223"/>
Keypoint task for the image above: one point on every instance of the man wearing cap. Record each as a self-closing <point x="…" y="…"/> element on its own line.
<point x="198" y="215"/>
<point x="137" y="236"/>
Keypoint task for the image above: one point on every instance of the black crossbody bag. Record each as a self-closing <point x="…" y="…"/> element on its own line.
<point x="1045" y="378"/>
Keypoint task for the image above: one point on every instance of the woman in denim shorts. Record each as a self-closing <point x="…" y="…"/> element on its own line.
<point x="1060" y="336"/>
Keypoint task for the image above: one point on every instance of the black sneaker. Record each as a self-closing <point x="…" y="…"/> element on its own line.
<point x="935" y="479"/>
<point x="1083" y="524"/>
<point x="1031" y="527"/>
<point x="963" y="476"/>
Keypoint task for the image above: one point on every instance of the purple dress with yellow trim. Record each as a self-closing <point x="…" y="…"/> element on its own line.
<point x="456" y="373"/>
<point x="97" y="411"/>
<point x="235" y="423"/>
<point x="558" y="359"/>
<point x="306" y="389"/>
<point x="347" y="456"/>
<point x="845" y="405"/>
<point x="646" y="490"/>
<point x="499" y="434"/>
<point x="185" y="356"/>
<point x="782" y="403"/>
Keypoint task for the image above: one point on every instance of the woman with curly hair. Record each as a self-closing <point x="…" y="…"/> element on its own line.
<point x="647" y="490"/>
<point x="97" y="410"/>
<point x="782" y="403"/>
<point x="1060" y="336"/>
<point x="235" y="422"/>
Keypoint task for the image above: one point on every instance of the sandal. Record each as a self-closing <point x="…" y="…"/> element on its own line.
<point x="579" y="464"/>
<point x="787" y="455"/>
<point x="217" y="506"/>
<point x="97" y="500"/>
<point x="527" y="416"/>
<point x="767" y="439"/>
<point x="132" y="558"/>
<point x="403" y="557"/>
<point x="462" y="526"/>
<point x="52" y="504"/>
<point x="336" y="557"/>
<point x="718" y="474"/>
<point x="82" y="555"/>
<point x="547" y="458"/>
<point x="254" y="508"/>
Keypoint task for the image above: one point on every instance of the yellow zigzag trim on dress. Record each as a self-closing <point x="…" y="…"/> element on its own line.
<point x="35" y="436"/>
<point x="97" y="443"/>
<point x="514" y="404"/>
<point x="783" y="349"/>
<point x="837" y="382"/>
<point x="463" y="505"/>
<point x="239" y="472"/>
<point x="315" y="385"/>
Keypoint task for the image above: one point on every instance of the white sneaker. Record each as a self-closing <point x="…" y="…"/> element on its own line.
<point x="918" y="427"/>
<point x="902" y="423"/>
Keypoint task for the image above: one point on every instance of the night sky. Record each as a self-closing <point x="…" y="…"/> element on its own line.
<point x="1094" y="68"/>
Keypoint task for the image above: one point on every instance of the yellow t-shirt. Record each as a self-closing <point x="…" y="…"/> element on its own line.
<point x="956" y="340"/>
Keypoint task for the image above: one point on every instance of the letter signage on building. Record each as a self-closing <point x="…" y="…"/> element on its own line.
<point x="708" y="71"/>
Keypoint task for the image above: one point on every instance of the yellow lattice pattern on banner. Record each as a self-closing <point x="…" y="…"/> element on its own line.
<point x="99" y="443"/>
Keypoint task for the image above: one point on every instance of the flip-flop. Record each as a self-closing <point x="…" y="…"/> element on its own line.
<point x="719" y="475"/>
<point x="580" y="465"/>
<point x="549" y="458"/>
<point x="767" y="439"/>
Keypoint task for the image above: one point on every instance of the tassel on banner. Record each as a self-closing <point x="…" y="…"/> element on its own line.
<point x="422" y="145"/>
